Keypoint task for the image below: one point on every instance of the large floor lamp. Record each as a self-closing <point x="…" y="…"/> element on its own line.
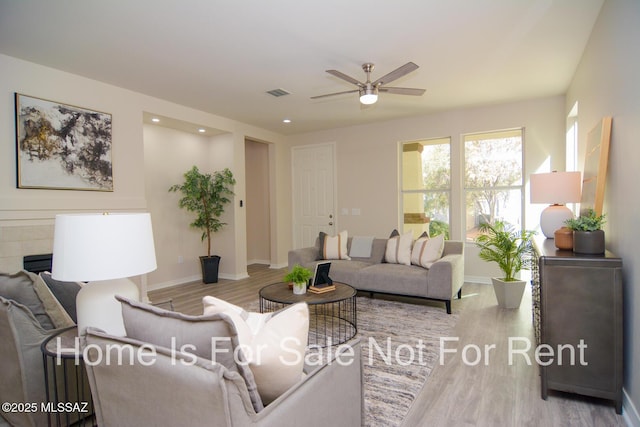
<point x="555" y="188"/>
<point x="103" y="250"/>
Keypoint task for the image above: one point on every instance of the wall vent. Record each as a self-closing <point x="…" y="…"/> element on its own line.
<point x="278" y="92"/>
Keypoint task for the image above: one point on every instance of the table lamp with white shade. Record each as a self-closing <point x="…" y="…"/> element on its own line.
<point x="555" y="188"/>
<point x="103" y="250"/>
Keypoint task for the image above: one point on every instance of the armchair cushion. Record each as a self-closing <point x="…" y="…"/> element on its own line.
<point x="273" y="343"/>
<point x="211" y="337"/>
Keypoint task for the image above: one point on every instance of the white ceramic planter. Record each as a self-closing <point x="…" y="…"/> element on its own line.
<point x="300" y="288"/>
<point x="508" y="294"/>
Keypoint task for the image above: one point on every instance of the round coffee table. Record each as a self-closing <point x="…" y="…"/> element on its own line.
<point x="332" y="315"/>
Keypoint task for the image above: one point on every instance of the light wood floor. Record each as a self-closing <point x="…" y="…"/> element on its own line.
<point x="456" y="394"/>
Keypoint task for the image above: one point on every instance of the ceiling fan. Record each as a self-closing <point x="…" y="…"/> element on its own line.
<point x="369" y="90"/>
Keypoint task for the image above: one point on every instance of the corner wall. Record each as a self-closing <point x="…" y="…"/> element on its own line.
<point x="606" y="84"/>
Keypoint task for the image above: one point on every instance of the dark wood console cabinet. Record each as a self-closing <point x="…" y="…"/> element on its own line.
<point x="577" y="302"/>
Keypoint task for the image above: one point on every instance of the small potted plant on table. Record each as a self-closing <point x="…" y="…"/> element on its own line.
<point x="299" y="276"/>
<point x="588" y="236"/>
<point x="513" y="251"/>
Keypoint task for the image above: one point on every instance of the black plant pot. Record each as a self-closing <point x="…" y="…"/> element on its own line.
<point x="588" y="242"/>
<point x="210" y="266"/>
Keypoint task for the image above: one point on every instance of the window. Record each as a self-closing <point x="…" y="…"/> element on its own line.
<point x="426" y="186"/>
<point x="493" y="179"/>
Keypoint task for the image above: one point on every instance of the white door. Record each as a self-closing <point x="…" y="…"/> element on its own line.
<point x="313" y="193"/>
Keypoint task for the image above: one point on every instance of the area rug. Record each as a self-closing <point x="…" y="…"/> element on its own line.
<point x="400" y="348"/>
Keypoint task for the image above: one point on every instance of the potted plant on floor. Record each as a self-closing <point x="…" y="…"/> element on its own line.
<point x="299" y="276"/>
<point x="588" y="236"/>
<point x="513" y="251"/>
<point x="206" y="195"/>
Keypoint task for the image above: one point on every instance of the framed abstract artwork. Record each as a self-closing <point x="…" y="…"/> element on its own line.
<point x="61" y="146"/>
<point x="595" y="167"/>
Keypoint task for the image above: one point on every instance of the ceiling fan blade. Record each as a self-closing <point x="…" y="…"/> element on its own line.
<point x="396" y="74"/>
<point x="336" y="93"/>
<point x="402" y="90"/>
<point x="343" y="76"/>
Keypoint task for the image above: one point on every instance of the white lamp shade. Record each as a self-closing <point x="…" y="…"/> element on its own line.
<point x="88" y="247"/>
<point x="556" y="188"/>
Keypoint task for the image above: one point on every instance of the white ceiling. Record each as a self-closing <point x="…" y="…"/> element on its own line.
<point x="221" y="56"/>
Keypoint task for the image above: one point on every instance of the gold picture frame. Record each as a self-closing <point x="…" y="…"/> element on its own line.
<point x="61" y="146"/>
<point x="595" y="167"/>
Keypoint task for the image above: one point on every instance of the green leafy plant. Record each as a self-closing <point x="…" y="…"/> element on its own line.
<point x="511" y="249"/>
<point x="206" y="195"/>
<point x="298" y="274"/>
<point x="589" y="222"/>
<point x="439" y="227"/>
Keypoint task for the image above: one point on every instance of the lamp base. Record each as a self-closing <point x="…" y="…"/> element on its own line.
<point x="97" y="307"/>
<point x="553" y="218"/>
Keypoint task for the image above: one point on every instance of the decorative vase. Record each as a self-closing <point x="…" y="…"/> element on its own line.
<point x="300" y="288"/>
<point x="588" y="242"/>
<point x="564" y="238"/>
<point x="508" y="294"/>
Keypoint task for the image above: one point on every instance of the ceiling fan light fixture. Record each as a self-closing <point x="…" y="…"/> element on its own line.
<point x="369" y="96"/>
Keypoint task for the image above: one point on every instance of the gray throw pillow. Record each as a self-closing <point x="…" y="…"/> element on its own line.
<point x="190" y="334"/>
<point x="20" y="288"/>
<point x="65" y="293"/>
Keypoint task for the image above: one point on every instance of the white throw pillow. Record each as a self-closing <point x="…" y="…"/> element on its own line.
<point x="335" y="247"/>
<point x="398" y="249"/>
<point x="273" y="343"/>
<point x="427" y="251"/>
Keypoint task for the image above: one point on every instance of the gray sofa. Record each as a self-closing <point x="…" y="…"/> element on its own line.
<point x="440" y="282"/>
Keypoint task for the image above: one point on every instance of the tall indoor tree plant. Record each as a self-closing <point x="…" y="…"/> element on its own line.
<point x="206" y="195"/>
<point x="513" y="251"/>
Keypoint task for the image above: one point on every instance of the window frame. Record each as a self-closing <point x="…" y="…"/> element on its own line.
<point x="448" y="191"/>
<point x="466" y="190"/>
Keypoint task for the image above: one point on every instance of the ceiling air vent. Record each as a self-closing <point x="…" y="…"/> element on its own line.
<point x="278" y="92"/>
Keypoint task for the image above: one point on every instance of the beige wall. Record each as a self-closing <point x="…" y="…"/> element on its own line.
<point x="606" y="84"/>
<point x="257" y="203"/>
<point x="368" y="165"/>
<point x="25" y="213"/>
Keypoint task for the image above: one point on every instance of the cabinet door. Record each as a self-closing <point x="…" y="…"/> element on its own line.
<point x="580" y="305"/>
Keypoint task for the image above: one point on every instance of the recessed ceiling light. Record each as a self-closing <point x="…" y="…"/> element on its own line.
<point x="201" y="130"/>
<point x="155" y="120"/>
<point x="286" y="121"/>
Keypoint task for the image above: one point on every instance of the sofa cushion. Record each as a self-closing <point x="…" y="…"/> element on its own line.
<point x="360" y="247"/>
<point x="343" y="271"/>
<point x="211" y="337"/>
<point x="394" y="278"/>
<point x="398" y="250"/>
<point x="20" y="287"/>
<point x="426" y="251"/>
<point x="334" y="247"/>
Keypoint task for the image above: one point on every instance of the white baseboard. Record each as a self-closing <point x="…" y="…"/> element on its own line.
<point x="278" y="266"/>
<point x="478" y="279"/>
<point x="197" y="278"/>
<point x="629" y="411"/>
<point x="238" y="276"/>
<point x="258" y="261"/>
<point x="174" y="282"/>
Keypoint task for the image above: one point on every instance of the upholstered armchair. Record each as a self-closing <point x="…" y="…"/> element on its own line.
<point x="166" y="372"/>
